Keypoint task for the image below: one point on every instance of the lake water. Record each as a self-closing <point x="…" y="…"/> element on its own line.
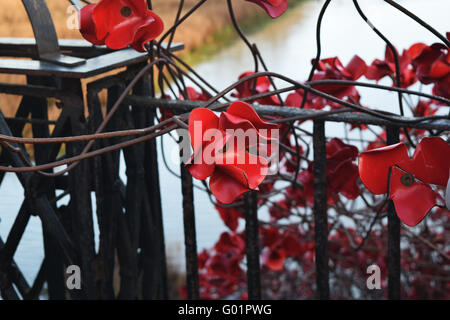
<point x="287" y="45"/>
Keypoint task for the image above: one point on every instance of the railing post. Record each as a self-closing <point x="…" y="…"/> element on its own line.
<point x="320" y="210"/>
<point x="252" y="246"/>
<point x="393" y="260"/>
<point x="190" y="237"/>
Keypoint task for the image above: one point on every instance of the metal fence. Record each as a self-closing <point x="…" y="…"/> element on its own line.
<point x="129" y="214"/>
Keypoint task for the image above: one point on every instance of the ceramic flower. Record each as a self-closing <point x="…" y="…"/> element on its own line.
<point x="248" y="88"/>
<point x="432" y="65"/>
<point x="342" y="175"/>
<point x="274" y="8"/>
<point x="120" y="23"/>
<point x="232" y="171"/>
<point x="332" y="69"/>
<point x="382" y="68"/>
<point x="407" y="180"/>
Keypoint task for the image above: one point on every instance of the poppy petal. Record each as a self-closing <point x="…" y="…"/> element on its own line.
<point x="431" y="161"/>
<point x="200" y="171"/>
<point x="225" y="187"/>
<point x="201" y="120"/>
<point x="151" y="28"/>
<point x="356" y="67"/>
<point x="274" y="8"/>
<point x="374" y="166"/>
<point x="413" y="202"/>
<point x="87" y="25"/>
<point x="244" y="110"/>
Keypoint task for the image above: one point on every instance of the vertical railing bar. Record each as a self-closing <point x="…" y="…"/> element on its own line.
<point x="320" y="211"/>
<point x="252" y="246"/>
<point x="190" y="237"/>
<point x="393" y="259"/>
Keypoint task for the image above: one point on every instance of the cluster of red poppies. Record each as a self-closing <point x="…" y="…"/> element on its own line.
<point x="287" y="247"/>
<point x="414" y="184"/>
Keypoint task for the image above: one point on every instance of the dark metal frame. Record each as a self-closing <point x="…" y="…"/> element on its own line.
<point x="130" y="215"/>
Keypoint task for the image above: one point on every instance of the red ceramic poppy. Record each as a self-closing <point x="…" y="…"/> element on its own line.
<point x="342" y="174"/>
<point x="231" y="172"/>
<point x="120" y="23"/>
<point x="194" y="95"/>
<point x="332" y="69"/>
<point x="382" y="68"/>
<point x="279" y="246"/>
<point x="248" y="89"/>
<point x="390" y="170"/>
<point x="274" y="8"/>
<point x="230" y="216"/>
<point x="432" y="65"/>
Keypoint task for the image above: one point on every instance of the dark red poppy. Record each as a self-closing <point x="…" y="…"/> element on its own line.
<point x="382" y="68"/>
<point x="120" y="23"/>
<point x="231" y="172"/>
<point x="342" y="174"/>
<point x="194" y="95"/>
<point x="432" y="65"/>
<point x="230" y="216"/>
<point x="425" y="108"/>
<point x="390" y="169"/>
<point x="332" y="69"/>
<point x="279" y="246"/>
<point x="274" y="8"/>
<point x="295" y="99"/>
<point x="230" y="251"/>
<point x="248" y="89"/>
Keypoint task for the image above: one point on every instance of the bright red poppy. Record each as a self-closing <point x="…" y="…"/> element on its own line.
<point x="274" y="8"/>
<point x="432" y="65"/>
<point x="120" y="23"/>
<point x="248" y="89"/>
<point x="232" y="171"/>
<point x="382" y="68"/>
<point x="390" y="170"/>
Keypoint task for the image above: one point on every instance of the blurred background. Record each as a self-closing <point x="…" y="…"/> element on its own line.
<point x="287" y="44"/>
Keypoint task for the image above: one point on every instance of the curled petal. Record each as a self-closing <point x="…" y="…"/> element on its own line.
<point x="87" y="25"/>
<point x="225" y="188"/>
<point x="374" y="166"/>
<point x="431" y="161"/>
<point x="200" y="171"/>
<point x="201" y="120"/>
<point x="151" y="28"/>
<point x="241" y="115"/>
<point x="356" y="67"/>
<point x="231" y="178"/>
<point x="274" y="8"/>
<point x="413" y="202"/>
